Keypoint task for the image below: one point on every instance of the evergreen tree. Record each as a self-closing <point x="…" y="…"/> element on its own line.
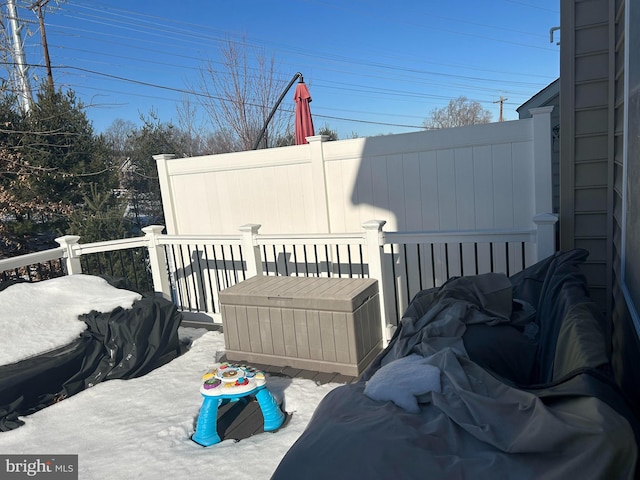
<point x="141" y="174"/>
<point x="51" y="162"/>
<point x="101" y="218"/>
<point x="60" y="139"/>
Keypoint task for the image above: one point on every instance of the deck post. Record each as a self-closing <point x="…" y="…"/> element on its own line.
<point x="157" y="261"/>
<point x="249" y="245"/>
<point x="542" y="147"/>
<point x="374" y="242"/>
<point x="166" y="191"/>
<point x="319" y="175"/>
<point x="72" y="261"/>
<point x="546" y="234"/>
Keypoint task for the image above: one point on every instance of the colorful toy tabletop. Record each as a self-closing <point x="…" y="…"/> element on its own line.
<point x="229" y="382"/>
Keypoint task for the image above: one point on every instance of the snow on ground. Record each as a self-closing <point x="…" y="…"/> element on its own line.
<point x="142" y="427"/>
<point x="38" y="317"/>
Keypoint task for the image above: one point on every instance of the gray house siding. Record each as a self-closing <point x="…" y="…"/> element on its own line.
<point x="626" y="340"/>
<point x="585" y="181"/>
<point x="592" y="163"/>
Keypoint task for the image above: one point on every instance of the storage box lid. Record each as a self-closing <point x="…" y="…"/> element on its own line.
<point x="308" y="293"/>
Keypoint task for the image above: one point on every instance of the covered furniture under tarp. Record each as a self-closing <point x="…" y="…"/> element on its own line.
<point x="119" y="344"/>
<point x="486" y="377"/>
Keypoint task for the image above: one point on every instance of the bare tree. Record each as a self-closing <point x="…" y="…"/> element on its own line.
<point x="239" y="93"/>
<point x="220" y="142"/>
<point x="458" y="112"/>
<point x="191" y="128"/>
<point x="117" y="135"/>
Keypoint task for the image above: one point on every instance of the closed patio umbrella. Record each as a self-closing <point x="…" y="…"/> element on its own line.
<point x="304" y="122"/>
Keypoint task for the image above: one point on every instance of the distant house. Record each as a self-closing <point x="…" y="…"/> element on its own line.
<point x="600" y="163"/>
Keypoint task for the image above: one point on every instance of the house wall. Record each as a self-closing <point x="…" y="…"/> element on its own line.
<point x="586" y="140"/>
<point x="468" y="178"/>
<point x="593" y="164"/>
<point x="626" y="340"/>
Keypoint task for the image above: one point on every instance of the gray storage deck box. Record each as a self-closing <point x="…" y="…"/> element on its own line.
<point x="321" y="324"/>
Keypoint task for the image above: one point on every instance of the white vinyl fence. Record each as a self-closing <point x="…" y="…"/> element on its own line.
<point x="493" y="176"/>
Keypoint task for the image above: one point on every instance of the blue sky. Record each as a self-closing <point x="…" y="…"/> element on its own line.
<point x="372" y="66"/>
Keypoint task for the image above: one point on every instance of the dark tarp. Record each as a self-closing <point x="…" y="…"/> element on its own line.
<point x="525" y="389"/>
<point x="123" y="343"/>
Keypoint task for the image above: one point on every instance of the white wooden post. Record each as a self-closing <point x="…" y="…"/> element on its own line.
<point x="546" y="234"/>
<point x="542" y="147"/>
<point x="158" y="261"/>
<point x="251" y="249"/>
<point x="166" y="192"/>
<point x="374" y="241"/>
<point x="320" y="182"/>
<point x="72" y="260"/>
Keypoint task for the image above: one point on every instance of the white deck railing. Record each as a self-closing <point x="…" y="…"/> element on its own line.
<point x="192" y="270"/>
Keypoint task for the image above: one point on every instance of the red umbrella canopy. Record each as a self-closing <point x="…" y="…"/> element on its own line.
<point x="304" y="122"/>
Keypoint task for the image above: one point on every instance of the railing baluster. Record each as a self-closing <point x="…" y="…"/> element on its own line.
<point x="285" y="261"/>
<point x="446" y="260"/>
<point x="406" y="271"/>
<point x="266" y="260"/>
<point x="433" y="265"/>
<point x="395" y="283"/>
<point x="506" y="256"/>
<point x="275" y="261"/>
<point x="493" y="269"/>
<point x="109" y="262"/>
<point x="306" y="260"/>
<point x="326" y="256"/>
<point x="475" y="255"/>
<point x="295" y="260"/>
<point x="318" y="264"/>
<point x="420" y="284"/>
<point x="243" y="270"/>
<point x="215" y="262"/>
<point x="211" y="291"/>
<point x="200" y="290"/>
<point x="233" y="266"/>
<point x="227" y="279"/>
<point x="185" y="279"/>
<point x="176" y="273"/>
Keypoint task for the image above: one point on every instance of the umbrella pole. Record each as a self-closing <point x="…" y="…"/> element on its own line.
<point x="273" y="110"/>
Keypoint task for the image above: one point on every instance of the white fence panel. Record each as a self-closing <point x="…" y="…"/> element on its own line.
<point x="481" y="176"/>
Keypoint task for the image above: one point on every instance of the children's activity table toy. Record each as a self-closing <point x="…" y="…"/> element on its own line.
<point x="230" y="382"/>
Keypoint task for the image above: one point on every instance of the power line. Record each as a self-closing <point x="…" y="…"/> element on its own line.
<point x="349" y="60"/>
<point x="213" y="97"/>
<point x="184" y="35"/>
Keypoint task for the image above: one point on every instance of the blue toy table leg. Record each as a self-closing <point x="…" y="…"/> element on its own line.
<point x="206" y="429"/>
<point x="273" y="416"/>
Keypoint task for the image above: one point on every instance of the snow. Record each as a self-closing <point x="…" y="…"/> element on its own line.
<point x="142" y="427"/>
<point x="38" y="317"/>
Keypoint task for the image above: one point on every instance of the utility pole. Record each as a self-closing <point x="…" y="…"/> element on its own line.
<point x="501" y="102"/>
<point x="38" y="7"/>
<point x="21" y="69"/>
